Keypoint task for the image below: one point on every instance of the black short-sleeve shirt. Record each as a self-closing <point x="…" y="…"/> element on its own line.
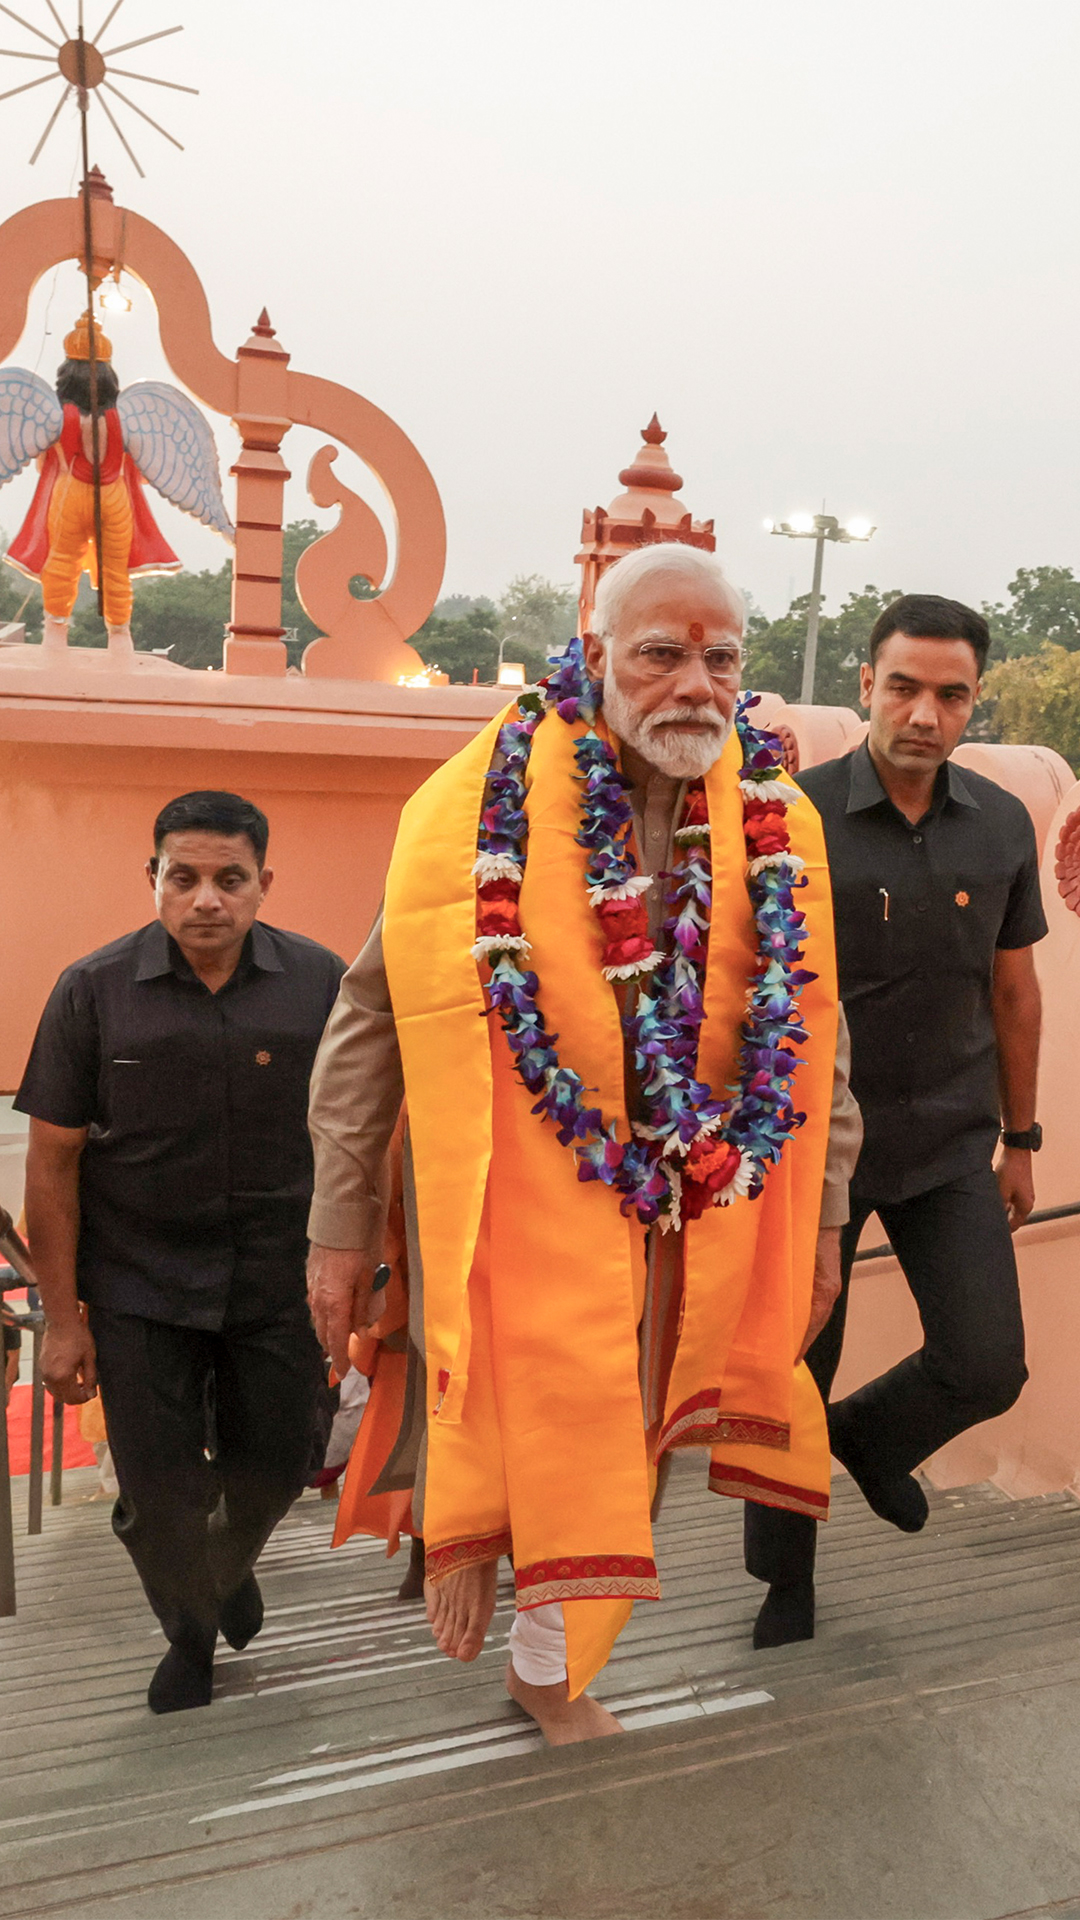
<point x="197" y="1172"/>
<point x="920" y="913"/>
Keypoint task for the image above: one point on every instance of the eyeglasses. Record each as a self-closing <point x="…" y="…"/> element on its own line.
<point x="663" y="658"/>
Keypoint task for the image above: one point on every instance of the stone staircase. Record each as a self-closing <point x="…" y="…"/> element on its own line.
<point x="920" y="1760"/>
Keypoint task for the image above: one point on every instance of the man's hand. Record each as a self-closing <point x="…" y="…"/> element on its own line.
<point x="826" y="1285"/>
<point x="339" y="1295"/>
<point x="69" y="1361"/>
<point x="1017" y="1184"/>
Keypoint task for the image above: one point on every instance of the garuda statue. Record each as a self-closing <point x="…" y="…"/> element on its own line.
<point x="150" y="431"/>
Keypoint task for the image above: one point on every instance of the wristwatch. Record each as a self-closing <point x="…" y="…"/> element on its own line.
<point x="1030" y="1141"/>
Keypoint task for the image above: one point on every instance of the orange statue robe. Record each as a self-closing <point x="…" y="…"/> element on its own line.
<point x="144" y="547"/>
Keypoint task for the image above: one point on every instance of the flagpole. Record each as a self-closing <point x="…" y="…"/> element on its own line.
<point x="88" y="244"/>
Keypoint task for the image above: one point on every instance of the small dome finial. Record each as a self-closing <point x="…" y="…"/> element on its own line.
<point x="651" y="468"/>
<point x="96" y="185"/>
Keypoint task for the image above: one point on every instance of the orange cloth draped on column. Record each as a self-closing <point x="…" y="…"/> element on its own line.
<point x="534" y="1281"/>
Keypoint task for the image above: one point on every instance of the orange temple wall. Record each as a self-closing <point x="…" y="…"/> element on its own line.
<point x="87" y="759"/>
<point x="88" y="756"/>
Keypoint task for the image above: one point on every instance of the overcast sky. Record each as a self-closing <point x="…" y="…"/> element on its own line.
<point x="834" y="245"/>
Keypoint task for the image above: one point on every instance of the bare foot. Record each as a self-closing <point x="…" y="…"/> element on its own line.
<point x="460" y="1609"/>
<point x="562" y="1721"/>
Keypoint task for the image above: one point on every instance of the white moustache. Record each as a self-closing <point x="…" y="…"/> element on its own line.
<point x="680" y="716"/>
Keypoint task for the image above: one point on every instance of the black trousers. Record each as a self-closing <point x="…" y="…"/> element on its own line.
<point x="956" y="1252"/>
<point x="211" y="1439"/>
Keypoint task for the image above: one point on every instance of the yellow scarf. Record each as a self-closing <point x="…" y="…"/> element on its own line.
<point x="534" y="1281"/>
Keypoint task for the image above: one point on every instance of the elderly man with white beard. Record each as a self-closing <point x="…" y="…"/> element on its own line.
<point x="624" y="1191"/>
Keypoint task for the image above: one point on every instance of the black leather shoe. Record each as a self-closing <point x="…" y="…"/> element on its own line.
<point x="241" y="1615"/>
<point x="183" y="1680"/>
<point x="898" y="1499"/>
<point x="787" y="1614"/>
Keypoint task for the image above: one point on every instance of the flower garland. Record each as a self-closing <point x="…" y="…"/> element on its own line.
<point x="692" y="1150"/>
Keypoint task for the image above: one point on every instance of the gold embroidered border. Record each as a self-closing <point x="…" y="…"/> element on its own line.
<point x="699" y="1423"/>
<point x="450" y="1556"/>
<point x="743" y="1485"/>
<point x="614" y="1588"/>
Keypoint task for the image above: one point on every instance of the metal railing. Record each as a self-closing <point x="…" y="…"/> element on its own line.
<point x="14" y="1251"/>
<point x="1033" y="1220"/>
<point x="15" y="1254"/>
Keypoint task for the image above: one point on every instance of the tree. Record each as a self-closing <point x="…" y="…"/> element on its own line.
<point x="535" y="618"/>
<point x="1034" y="700"/>
<point x="184" y="613"/>
<point x="462" y="645"/>
<point x="20" y="599"/>
<point x="300" y="631"/>
<point x="532" y="619"/>
<point x="181" y="614"/>
<point x="775" y="648"/>
<point x="1044" y="606"/>
<point x="454" y="606"/>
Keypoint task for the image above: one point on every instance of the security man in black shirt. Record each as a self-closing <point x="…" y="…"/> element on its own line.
<point x="936" y="893"/>
<point x="168" y="1179"/>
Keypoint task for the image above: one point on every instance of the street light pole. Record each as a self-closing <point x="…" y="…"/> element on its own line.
<point x="817" y="527"/>
<point x="813" y="621"/>
<point x="502" y="645"/>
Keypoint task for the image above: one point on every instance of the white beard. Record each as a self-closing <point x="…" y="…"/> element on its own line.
<point x="682" y="756"/>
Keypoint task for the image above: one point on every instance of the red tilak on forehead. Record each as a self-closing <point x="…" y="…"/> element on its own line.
<point x="697" y="631"/>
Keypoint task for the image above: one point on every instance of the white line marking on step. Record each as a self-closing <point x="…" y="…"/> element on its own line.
<point x="441" y="1763"/>
<point x="457" y="1750"/>
<point x="414" y="1751"/>
<point x="663" y="1716"/>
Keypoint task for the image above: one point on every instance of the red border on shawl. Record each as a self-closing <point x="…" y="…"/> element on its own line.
<point x="450" y="1556"/>
<point x="593" y="1576"/>
<point x="700" y="1423"/>
<point x="741" y="1483"/>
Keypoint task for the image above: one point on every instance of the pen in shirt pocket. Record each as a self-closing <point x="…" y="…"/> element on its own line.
<point x="884" y="903"/>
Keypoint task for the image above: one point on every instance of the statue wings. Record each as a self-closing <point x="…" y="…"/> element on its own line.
<point x="173" y="448"/>
<point x="30" y="419"/>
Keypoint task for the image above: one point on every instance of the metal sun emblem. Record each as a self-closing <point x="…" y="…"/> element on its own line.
<point x="85" y="68"/>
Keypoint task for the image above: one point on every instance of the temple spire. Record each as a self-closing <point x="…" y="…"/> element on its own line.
<point x="648" y="511"/>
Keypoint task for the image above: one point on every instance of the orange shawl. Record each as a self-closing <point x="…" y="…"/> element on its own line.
<point x="381" y="1354"/>
<point x="534" y="1281"/>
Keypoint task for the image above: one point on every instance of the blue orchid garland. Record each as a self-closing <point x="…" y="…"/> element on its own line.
<point x="758" y="1114"/>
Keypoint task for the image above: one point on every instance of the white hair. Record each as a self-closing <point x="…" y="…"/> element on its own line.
<point x="619" y="582"/>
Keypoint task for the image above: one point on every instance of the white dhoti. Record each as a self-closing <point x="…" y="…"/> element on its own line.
<point x="538" y="1645"/>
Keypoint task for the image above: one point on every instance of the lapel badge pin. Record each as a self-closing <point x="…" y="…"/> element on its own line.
<point x="262" y="1058"/>
<point x="963" y="899"/>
